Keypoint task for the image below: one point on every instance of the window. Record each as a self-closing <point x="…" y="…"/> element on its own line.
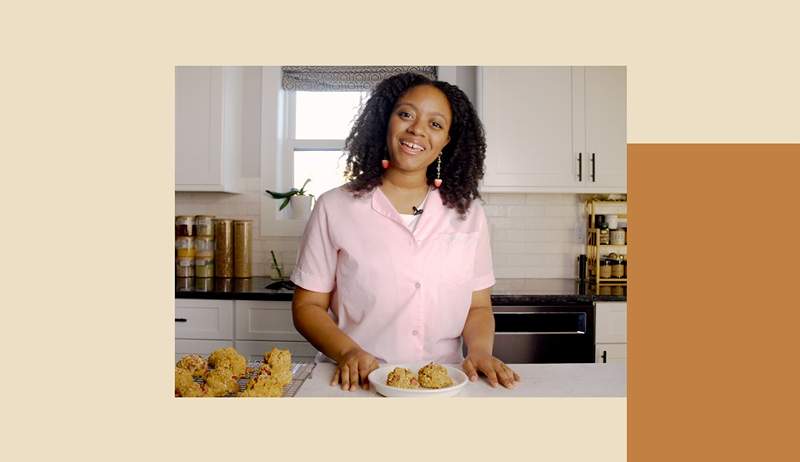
<point x="319" y="123"/>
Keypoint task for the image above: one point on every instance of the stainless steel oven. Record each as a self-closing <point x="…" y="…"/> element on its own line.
<point x="544" y="334"/>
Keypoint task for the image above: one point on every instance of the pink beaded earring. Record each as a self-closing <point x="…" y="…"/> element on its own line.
<point x="385" y="163"/>
<point x="438" y="181"/>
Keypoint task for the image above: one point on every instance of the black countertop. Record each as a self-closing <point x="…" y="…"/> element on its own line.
<point x="505" y="291"/>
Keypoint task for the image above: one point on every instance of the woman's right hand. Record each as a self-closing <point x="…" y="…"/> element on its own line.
<point x="353" y="368"/>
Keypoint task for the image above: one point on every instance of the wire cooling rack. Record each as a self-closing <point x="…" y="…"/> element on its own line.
<point x="300" y="372"/>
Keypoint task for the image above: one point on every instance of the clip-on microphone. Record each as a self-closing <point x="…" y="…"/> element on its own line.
<point x="416" y="210"/>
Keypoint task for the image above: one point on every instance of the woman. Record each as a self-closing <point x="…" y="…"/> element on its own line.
<point x="403" y="285"/>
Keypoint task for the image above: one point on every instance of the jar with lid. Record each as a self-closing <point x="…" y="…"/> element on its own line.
<point x="603" y="238"/>
<point x="204" y="247"/>
<point x="605" y="269"/>
<point x="184" y="225"/>
<point x="204" y="267"/>
<point x="617" y="269"/>
<point x="204" y="225"/>
<point x="184" y="245"/>
<point x="184" y="267"/>
<point x="617" y="236"/>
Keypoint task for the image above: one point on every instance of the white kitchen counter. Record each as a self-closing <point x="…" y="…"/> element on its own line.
<point x="543" y="380"/>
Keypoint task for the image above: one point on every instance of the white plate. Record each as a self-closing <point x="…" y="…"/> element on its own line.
<point x="378" y="380"/>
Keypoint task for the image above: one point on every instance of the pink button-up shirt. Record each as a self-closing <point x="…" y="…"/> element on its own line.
<point x="403" y="296"/>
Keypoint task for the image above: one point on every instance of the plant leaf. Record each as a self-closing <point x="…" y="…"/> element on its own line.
<point x="303" y="188"/>
<point x="285" y="203"/>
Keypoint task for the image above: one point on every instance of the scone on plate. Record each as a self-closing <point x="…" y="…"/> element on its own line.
<point x="401" y="377"/>
<point x="195" y="364"/>
<point x="228" y="358"/>
<point x="434" y="376"/>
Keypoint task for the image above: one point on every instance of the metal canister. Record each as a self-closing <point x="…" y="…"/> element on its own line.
<point x="241" y="285"/>
<point x="184" y="225"/>
<point x="223" y="284"/>
<point x="605" y="269"/>
<point x="204" y="225"/>
<point x="242" y="245"/>
<point x="223" y="248"/>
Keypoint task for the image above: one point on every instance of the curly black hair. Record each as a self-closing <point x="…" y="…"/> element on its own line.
<point x="462" y="158"/>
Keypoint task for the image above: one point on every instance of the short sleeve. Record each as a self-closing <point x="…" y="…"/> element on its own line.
<point x="484" y="271"/>
<point x="316" y="260"/>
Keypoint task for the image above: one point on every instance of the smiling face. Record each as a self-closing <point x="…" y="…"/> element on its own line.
<point x="418" y="128"/>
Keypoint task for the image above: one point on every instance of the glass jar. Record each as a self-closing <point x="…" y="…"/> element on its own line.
<point x="184" y="267"/>
<point x="617" y="236"/>
<point x="603" y="238"/>
<point x="605" y="269"/>
<point x="184" y="245"/>
<point x="204" y="247"/>
<point x="184" y="226"/>
<point x="204" y="267"/>
<point x="617" y="269"/>
<point x="204" y="225"/>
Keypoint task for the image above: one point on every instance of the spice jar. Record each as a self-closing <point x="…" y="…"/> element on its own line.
<point x="184" y="267"/>
<point x="617" y="269"/>
<point x="204" y="225"/>
<point x="617" y="236"/>
<point x="605" y="269"/>
<point x="184" y="225"/>
<point x="184" y="246"/>
<point x="204" y="247"/>
<point x="204" y="267"/>
<point x="604" y="238"/>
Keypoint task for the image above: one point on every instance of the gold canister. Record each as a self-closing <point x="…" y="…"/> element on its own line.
<point x="204" y="247"/>
<point x="184" y="225"/>
<point x="242" y="285"/>
<point x="223" y="284"/>
<point x="242" y="248"/>
<point x="617" y="269"/>
<point x="223" y="248"/>
<point x="204" y="225"/>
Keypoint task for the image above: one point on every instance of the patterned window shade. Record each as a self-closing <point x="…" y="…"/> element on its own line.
<point x="344" y="78"/>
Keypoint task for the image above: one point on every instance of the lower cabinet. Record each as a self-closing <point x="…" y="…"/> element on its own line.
<point x="611" y="332"/>
<point x="251" y="326"/>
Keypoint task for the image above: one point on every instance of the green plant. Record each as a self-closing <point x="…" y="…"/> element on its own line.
<point x="287" y="196"/>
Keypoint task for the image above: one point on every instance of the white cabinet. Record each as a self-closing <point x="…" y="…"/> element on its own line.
<point x="204" y="319"/>
<point x="553" y="129"/>
<point x="611" y="327"/>
<point x="265" y="320"/>
<point x="208" y="128"/>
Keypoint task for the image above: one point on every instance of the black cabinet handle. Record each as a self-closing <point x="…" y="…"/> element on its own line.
<point x="604" y="356"/>
<point x="593" y="176"/>
<point x="180" y="320"/>
<point x="580" y="166"/>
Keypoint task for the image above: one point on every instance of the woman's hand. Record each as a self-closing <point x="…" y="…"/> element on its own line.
<point x="354" y="367"/>
<point x="494" y="369"/>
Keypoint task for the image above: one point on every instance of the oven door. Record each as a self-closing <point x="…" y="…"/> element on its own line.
<point x="544" y="334"/>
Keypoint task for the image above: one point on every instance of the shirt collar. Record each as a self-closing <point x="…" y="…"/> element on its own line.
<point x="382" y="205"/>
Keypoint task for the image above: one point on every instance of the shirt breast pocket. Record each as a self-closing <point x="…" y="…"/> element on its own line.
<point x="455" y="256"/>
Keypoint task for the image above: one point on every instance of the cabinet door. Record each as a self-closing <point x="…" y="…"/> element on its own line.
<point x="611" y="352"/>
<point x="605" y="129"/>
<point x="265" y="320"/>
<point x="200" y="347"/>
<point x="204" y="319"/>
<point x="611" y="322"/>
<point x="198" y="118"/>
<point x="528" y="117"/>
<point x="302" y="352"/>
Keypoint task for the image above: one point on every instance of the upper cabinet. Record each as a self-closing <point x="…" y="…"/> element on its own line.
<point x="208" y="128"/>
<point x="553" y="129"/>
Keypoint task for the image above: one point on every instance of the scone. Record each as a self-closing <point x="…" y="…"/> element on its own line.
<point x="185" y="384"/>
<point x="278" y="359"/>
<point x="262" y="385"/>
<point x="221" y="382"/>
<point x="401" y="377"/>
<point x="434" y="376"/>
<point x="282" y="374"/>
<point x="195" y="364"/>
<point x="228" y="358"/>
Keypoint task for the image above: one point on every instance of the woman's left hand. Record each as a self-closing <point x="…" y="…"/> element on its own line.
<point x="494" y="369"/>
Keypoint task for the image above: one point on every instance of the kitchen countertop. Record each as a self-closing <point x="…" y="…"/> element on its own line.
<point x="505" y="291"/>
<point x="537" y="380"/>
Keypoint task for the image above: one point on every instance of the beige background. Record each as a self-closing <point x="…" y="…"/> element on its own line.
<point x="87" y="178"/>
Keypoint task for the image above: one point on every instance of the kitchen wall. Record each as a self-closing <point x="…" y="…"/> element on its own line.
<point x="533" y="235"/>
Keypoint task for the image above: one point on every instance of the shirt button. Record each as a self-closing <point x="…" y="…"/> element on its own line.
<point x="417" y="285"/>
<point x="414" y="332"/>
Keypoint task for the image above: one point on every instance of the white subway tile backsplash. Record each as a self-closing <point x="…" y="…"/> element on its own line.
<point x="532" y="235"/>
